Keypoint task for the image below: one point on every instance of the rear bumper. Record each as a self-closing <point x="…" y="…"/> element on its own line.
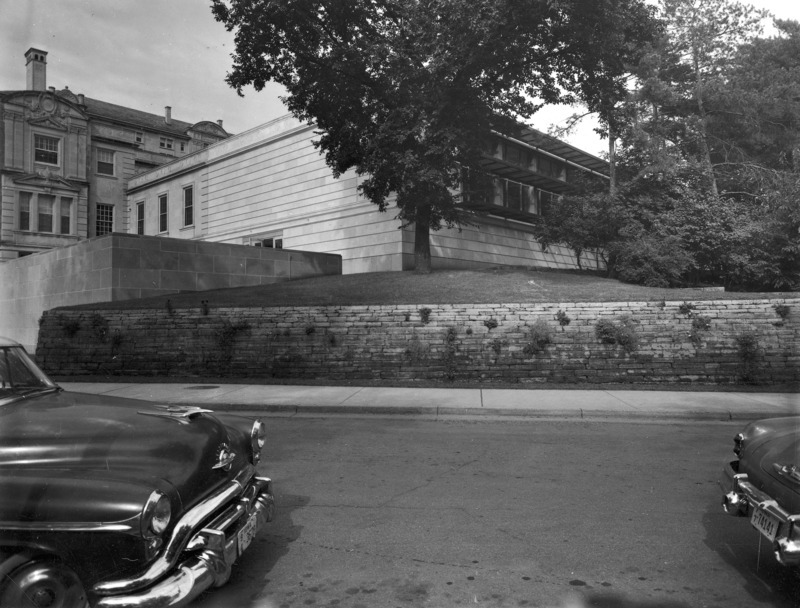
<point x="741" y="498"/>
<point x="209" y="553"/>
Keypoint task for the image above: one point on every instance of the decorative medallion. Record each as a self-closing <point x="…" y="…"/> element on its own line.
<point x="225" y="457"/>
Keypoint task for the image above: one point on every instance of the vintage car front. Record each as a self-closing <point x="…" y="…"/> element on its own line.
<point x="118" y="502"/>
<point x="764" y="483"/>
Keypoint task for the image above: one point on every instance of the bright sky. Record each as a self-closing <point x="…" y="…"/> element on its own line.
<point x="147" y="54"/>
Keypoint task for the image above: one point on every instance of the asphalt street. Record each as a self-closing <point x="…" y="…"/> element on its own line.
<point x="409" y="512"/>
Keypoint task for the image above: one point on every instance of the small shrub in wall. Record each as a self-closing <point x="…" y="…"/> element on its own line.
<point x="416" y="352"/>
<point x="425" y="315"/>
<point x="497" y="345"/>
<point x="748" y="347"/>
<point x="783" y="312"/>
<point x="116" y="340"/>
<point x="700" y="325"/>
<point x="490" y="324"/>
<point x="99" y="327"/>
<point x="563" y="319"/>
<point x="539" y="336"/>
<point x="69" y="326"/>
<point x="621" y="332"/>
<point x="450" y="347"/>
<point x="225" y="337"/>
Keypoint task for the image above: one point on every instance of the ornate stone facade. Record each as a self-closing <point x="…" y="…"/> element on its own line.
<point x="65" y="161"/>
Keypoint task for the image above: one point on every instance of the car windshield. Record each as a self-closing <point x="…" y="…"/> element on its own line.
<point x="19" y="375"/>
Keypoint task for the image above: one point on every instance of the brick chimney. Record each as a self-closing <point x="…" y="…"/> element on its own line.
<point x="168" y="115"/>
<point x="36" y="69"/>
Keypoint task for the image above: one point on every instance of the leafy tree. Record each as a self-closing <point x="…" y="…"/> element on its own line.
<point x="682" y="81"/>
<point x="758" y="118"/>
<point x="407" y="93"/>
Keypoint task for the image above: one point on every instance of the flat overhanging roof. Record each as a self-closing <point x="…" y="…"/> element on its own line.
<point x="551" y="145"/>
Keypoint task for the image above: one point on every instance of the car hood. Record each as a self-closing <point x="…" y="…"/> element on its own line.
<point x="771" y="459"/>
<point x="76" y="436"/>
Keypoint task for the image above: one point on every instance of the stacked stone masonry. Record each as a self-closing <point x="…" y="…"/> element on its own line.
<point x="709" y="342"/>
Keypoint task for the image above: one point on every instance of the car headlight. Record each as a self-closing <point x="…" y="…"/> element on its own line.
<point x="258" y="437"/>
<point x="156" y="514"/>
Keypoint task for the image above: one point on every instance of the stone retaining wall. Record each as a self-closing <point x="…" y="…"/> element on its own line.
<point x="722" y="342"/>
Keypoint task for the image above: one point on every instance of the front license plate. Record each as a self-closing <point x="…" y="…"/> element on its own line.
<point x="765" y="522"/>
<point x="247" y="533"/>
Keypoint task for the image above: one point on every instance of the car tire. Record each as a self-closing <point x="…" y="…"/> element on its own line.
<point x="43" y="584"/>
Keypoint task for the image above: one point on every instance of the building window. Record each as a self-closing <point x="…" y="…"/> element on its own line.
<point x="183" y="147"/>
<point x="105" y="161"/>
<point x="166" y="143"/>
<point x="44" y="210"/>
<point x="25" y="210"/>
<point x="271" y="242"/>
<point x="138" y="137"/>
<point x="105" y="220"/>
<point x="515" y="155"/>
<point x="162" y="213"/>
<point x="140" y="218"/>
<point x="547" y="200"/>
<point x="552" y="168"/>
<point x="65" y="226"/>
<point x="188" y="206"/>
<point x="45" y="149"/>
<point x="515" y="196"/>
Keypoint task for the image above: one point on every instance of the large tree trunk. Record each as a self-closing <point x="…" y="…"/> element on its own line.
<point x="422" y="241"/>
<point x="705" y="152"/>
<point x="612" y="161"/>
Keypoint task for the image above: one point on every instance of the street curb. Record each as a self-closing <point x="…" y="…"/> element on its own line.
<point x="485" y="413"/>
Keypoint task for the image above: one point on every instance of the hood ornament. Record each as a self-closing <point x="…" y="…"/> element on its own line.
<point x="179" y="413"/>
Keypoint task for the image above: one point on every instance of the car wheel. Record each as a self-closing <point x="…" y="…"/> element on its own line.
<point x="43" y="584"/>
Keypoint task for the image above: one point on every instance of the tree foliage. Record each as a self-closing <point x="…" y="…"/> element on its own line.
<point x="710" y="158"/>
<point x="407" y="93"/>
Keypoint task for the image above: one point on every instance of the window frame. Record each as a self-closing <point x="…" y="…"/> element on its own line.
<point x="267" y="240"/>
<point x="166" y="143"/>
<point x="140" y="217"/>
<point x="112" y="164"/>
<point x="105" y="219"/>
<point x="44" y="221"/>
<point x="188" y="206"/>
<point x="45" y="151"/>
<point x="163" y="213"/>
<point x="25" y="214"/>
<point x="65" y="203"/>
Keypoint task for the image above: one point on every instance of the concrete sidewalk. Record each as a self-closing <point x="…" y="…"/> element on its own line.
<point x="449" y="402"/>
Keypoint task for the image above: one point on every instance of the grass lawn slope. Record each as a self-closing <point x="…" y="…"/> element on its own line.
<point x="485" y="286"/>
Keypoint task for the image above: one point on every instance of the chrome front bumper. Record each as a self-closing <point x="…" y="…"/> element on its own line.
<point x="741" y="498"/>
<point x="196" y="556"/>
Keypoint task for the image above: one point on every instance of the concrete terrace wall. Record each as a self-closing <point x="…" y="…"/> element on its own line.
<point x="122" y="267"/>
<point x="723" y="342"/>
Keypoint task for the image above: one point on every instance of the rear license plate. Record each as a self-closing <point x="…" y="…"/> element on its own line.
<point x="765" y="522"/>
<point x="247" y="533"/>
